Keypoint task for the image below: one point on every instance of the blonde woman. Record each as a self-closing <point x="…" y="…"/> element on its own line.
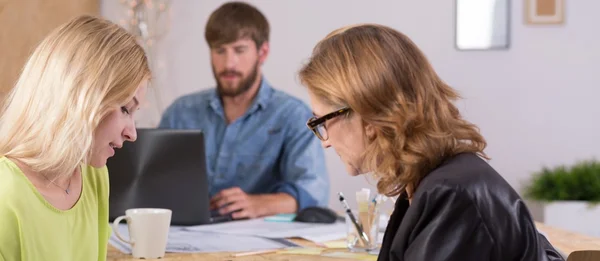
<point x="378" y="102"/>
<point x="72" y="106"/>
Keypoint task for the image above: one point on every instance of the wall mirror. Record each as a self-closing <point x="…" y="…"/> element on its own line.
<point x="482" y="24"/>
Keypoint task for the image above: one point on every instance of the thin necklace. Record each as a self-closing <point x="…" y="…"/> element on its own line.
<point x="68" y="186"/>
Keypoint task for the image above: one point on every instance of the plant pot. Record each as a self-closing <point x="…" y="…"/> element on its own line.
<point x="577" y="216"/>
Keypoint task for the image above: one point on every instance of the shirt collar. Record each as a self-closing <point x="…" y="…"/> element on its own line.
<point x="264" y="94"/>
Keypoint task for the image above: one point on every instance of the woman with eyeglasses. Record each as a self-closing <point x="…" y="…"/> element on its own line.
<point x="381" y="106"/>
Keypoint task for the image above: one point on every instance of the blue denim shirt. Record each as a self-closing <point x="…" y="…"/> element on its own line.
<point x="267" y="150"/>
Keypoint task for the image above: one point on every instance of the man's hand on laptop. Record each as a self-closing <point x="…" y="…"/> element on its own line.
<point x="236" y="202"/>
<point x="240" y="205"/>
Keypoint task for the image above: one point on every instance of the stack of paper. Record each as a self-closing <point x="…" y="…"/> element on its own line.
<point x="248" y="235"/>
<point x="188" y="241"/>
<point x="258" y="227"/>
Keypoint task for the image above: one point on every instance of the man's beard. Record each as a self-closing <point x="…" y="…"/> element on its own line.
<point x="244" y="85"/>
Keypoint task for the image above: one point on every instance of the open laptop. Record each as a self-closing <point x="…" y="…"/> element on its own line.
<point x="163" y="168"/>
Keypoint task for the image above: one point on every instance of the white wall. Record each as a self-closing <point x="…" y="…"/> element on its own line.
<point x="534" y="102"/>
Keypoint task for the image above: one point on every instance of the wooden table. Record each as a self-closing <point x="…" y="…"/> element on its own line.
<point x="569" y="242"/>
<point x="565" y="241"/>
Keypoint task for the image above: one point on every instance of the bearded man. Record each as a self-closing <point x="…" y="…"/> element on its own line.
<point x="261" y="159"/>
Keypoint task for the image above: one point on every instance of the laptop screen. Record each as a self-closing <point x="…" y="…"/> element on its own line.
<point x="163" y="168"/>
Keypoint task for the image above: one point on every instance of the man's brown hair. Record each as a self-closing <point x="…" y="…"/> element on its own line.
<point x="236" y="20"/>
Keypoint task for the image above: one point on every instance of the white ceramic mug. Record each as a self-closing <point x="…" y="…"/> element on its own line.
<point x="148" y="231"/>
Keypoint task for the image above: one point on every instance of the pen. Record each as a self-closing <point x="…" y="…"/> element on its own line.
<point x="361" y="233"/>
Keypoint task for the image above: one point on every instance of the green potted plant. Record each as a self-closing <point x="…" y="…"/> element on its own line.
<point x="567" y="197"/>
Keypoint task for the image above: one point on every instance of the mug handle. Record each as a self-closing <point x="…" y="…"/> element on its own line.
<point x="116" y="229"/>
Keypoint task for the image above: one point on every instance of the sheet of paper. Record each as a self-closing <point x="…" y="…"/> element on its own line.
<point x="317" y="236"/>
<point x="259" y="227"/>
<point x="187" y="241"/>
<point x="336" y="244"/>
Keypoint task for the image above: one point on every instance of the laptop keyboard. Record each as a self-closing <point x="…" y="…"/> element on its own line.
<point x="220" y="219"/>
<point x="215" y="217"/>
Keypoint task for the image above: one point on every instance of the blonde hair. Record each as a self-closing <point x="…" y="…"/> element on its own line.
<point x="382" y="76"/>
<point x="79" y="73"/>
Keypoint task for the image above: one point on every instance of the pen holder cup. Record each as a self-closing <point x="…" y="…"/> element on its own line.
<point x="369" y="223"/>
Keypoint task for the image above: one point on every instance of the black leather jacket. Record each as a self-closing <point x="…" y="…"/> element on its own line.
<point x="464" y="210"/>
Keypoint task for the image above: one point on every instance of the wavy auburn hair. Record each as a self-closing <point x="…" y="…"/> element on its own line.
<point x="383" y="77"/>
<point x="78" y="74"/>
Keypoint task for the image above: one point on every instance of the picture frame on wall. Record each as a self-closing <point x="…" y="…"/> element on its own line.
<point x="544" y="11"/>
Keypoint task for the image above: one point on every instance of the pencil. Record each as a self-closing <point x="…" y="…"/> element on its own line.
<point x="255" y="252"/>
<point x="361" y="233"/>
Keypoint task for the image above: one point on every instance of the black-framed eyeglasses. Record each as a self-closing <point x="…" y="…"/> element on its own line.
<point x="317" y="124"/>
